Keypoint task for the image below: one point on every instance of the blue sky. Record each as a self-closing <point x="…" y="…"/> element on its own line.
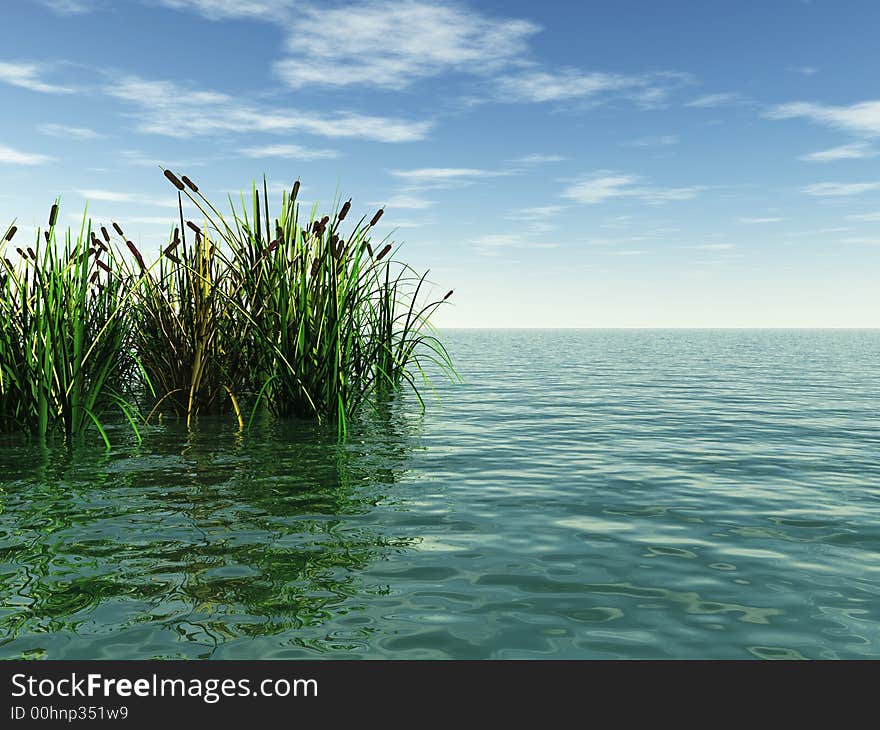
<point x="626" y="164"/>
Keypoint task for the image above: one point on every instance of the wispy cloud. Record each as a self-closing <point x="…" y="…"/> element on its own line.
<point x="804" y="70"/>
<point x="540" y="211"/>
<point x="862" y="118"/>
<point x="709" y="101"/>
<point x="9" y="156"/>
<point x="29" y="76"/>
<point x="664" y="140"/>
<point x="759" y="221"/>
<point x="855" y="151"/>
<point x="62" y="130"/>
<point x="289" y="152"/>
<point x="713" y="247"/>
<point x="113" y="196"/>
<point x="603" y="186"/>
<point x="864" y="217"/>
<point x="392" y="43"/>
<point x="836" y="189"/>
<point x="647" y="90"/>
<point x="411" y="202"/>
<point x="273" y="10"/>
<point x="491" y="242"/>
<point x="168" y="109"/>
<point x="537" y="159"/>
<point x="69" y="7"/>
<point x="444" y="177"/>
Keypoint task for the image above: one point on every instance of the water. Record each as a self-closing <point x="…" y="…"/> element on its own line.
<point x="593" y="494"/>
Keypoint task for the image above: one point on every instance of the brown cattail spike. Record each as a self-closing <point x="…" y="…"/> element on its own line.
<point x="118" y="229"/>
<point x="53" y="215"/>
<point x="295" y="191"/>
<point x="105" y="234"/>
<point x="193" y="227"/>
<point x="104" y="266"/>
<point x="190" y="184"/>
<point x="136" y="254"/>
<point x="32" y="254"/>
<point x="384" y="252"/>
<point x="173" y="178"/>
<point x="376" y="217"/>
<point x="11" y="233"/>
<point x="346" y="206"/>
<point x="448" y="294"/>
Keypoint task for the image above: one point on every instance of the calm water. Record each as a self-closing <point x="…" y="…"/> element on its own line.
<point x="583" y="495"/>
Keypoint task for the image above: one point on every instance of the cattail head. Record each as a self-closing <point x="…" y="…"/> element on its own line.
<point x="376" y="217"/>
<point x="369" y="249"/>
<point x="11" y="233"/>
<point x="270" y="249"/>
<point x="105" y="234"/>
<point x="448" y="294"/>
<point x="46" y="236"/>
<point x="343" y="211"/>
<point x="118" y="230"/>
<point x="53" y="215"/>
<point x="315" y="266"/>
<point x="102" y="265"/>
<point x="173" y="178"/>
<point x="137" y="255"/>
<point x="384" y="252"/>
<point x="31" y="253"/>
<point x="295" y="191"/>
<point x="190" y="184"/>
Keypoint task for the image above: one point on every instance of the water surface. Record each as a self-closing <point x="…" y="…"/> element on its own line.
<point x="584" y="494"/>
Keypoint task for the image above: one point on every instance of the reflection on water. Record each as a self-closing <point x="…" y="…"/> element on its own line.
<point x="184" y="543"/>
<point x="583" y="495"/>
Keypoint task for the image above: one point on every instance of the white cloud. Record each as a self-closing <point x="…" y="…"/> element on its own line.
<point x="648" y="90"/>
<point x="29" y="76"/>
<point x="855" y="151"/>
<point x="289" y="152"/>
<point x="602" y="187"/>
<point x="862" y="118"/>
<point x="113" y="196"/>
<point x="392" y="43"/>
<point x="541" y="211"/>
<point x="171" y="110"/>
<point x="804" y="70"/>
<point x="69" y="7"/>
<point x="274" y="10"/>
<point x="62" y="130"/>
<point x="493" y="241"/>
<point x="758" y="221"/>
<point x="864" y="217"/>
<point x="411" y="202"/>
<point x="537" y="159"/>
<point x="660" y="141"/>
<point x="10" y="156"/>
<point x="715" y="100"/>
<point x="444" y="177"/>
<point x="714" y="247"/>
<point x="834" y="189"/>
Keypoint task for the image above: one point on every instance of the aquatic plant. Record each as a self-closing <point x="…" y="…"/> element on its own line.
<point x="238" y="313"/>
<point x="64" y="355"/>
<point x="301" y="316"/>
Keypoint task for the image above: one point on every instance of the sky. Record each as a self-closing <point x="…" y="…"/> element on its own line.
<point x="557" y="164"/>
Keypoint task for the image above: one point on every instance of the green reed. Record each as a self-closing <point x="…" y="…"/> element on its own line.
<point x="302" y="315"/>
<point x="64" y="356"/>
<point x="240" y="312"/>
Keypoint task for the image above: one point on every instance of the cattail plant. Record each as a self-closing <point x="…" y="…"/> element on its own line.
<point x="64" y="335"/>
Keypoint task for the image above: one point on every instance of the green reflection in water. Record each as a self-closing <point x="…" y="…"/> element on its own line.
<point x="206" y="536"/>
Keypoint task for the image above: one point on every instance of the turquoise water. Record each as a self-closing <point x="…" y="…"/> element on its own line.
<point x="585" y="494"/>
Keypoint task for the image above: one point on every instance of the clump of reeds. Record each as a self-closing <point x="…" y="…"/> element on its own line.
<point x="304" y="316"/>
<point x="64" y="331"/>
